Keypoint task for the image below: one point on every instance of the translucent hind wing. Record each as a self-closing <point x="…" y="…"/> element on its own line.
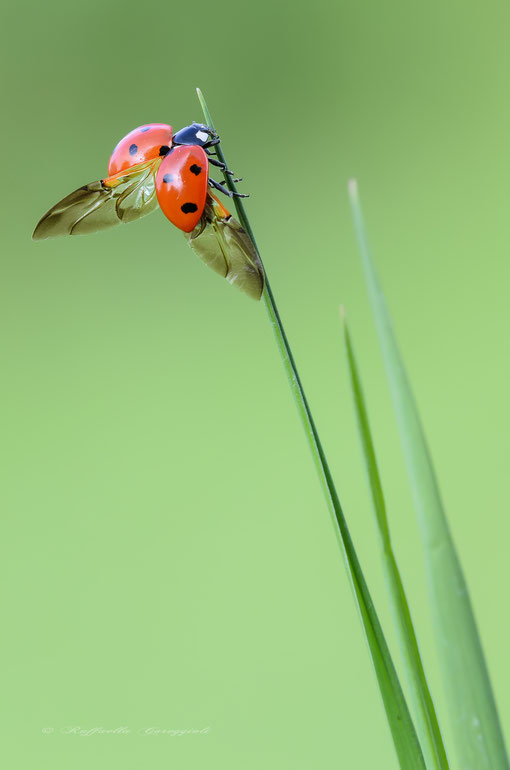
<point x="124" y="197"/>
<point x="245" y="269"/>
<point x="221" y="242"/>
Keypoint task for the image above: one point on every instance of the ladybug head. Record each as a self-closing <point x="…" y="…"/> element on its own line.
<point x="197" y="133"/>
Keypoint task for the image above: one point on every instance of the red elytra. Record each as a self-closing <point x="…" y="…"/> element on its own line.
<point x="143" y="143"/>
<point x="181" y="185"/>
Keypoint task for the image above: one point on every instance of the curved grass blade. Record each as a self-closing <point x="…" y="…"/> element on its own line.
<point x="421" y="699"/>
<point x="401" y="726"/>
<point x="477" y="731"/>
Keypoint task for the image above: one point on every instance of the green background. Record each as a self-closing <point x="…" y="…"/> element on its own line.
<point x="168" y="559"/>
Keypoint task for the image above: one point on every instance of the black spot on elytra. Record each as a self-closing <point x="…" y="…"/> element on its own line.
<point x="164" y="150"/>
<point x="195" y="169"/>
<point x="145" y="129"/>
<point x="168" y="178"/>
<point x="189" y="208"/>
<point x="133" y="149"/>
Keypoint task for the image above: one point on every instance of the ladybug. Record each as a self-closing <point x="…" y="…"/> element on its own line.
<point x="151" y="166"/>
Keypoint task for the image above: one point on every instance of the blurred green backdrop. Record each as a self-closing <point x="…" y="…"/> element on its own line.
<point x="169" y="561"/>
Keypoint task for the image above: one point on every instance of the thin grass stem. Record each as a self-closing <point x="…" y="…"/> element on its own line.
<point x="403" y="732"/>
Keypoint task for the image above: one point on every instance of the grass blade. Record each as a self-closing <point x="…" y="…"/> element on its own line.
<point x="421" y="699"/>
<point x="399" y="719"/>
<point x="477" y="731"/>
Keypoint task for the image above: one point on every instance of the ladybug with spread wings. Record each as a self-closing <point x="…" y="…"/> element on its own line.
<point x="150" y="166"/>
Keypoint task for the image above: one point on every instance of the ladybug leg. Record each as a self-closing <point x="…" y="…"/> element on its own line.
<point x="218" y="186"/>
<point x="221" y="165"/>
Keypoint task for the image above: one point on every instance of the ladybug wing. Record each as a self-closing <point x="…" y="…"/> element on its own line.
<point x="127" y="196"/>
<point x="221" y="242"/>
<point x="181" y="185"/>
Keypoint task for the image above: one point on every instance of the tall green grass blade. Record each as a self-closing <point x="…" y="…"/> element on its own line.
<point x="477" y="731"/>
<point x="421" y="700"/>
<point x="399" y="719"/>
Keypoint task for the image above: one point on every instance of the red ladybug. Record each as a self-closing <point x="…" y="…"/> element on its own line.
<point x="150" y="166"/>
